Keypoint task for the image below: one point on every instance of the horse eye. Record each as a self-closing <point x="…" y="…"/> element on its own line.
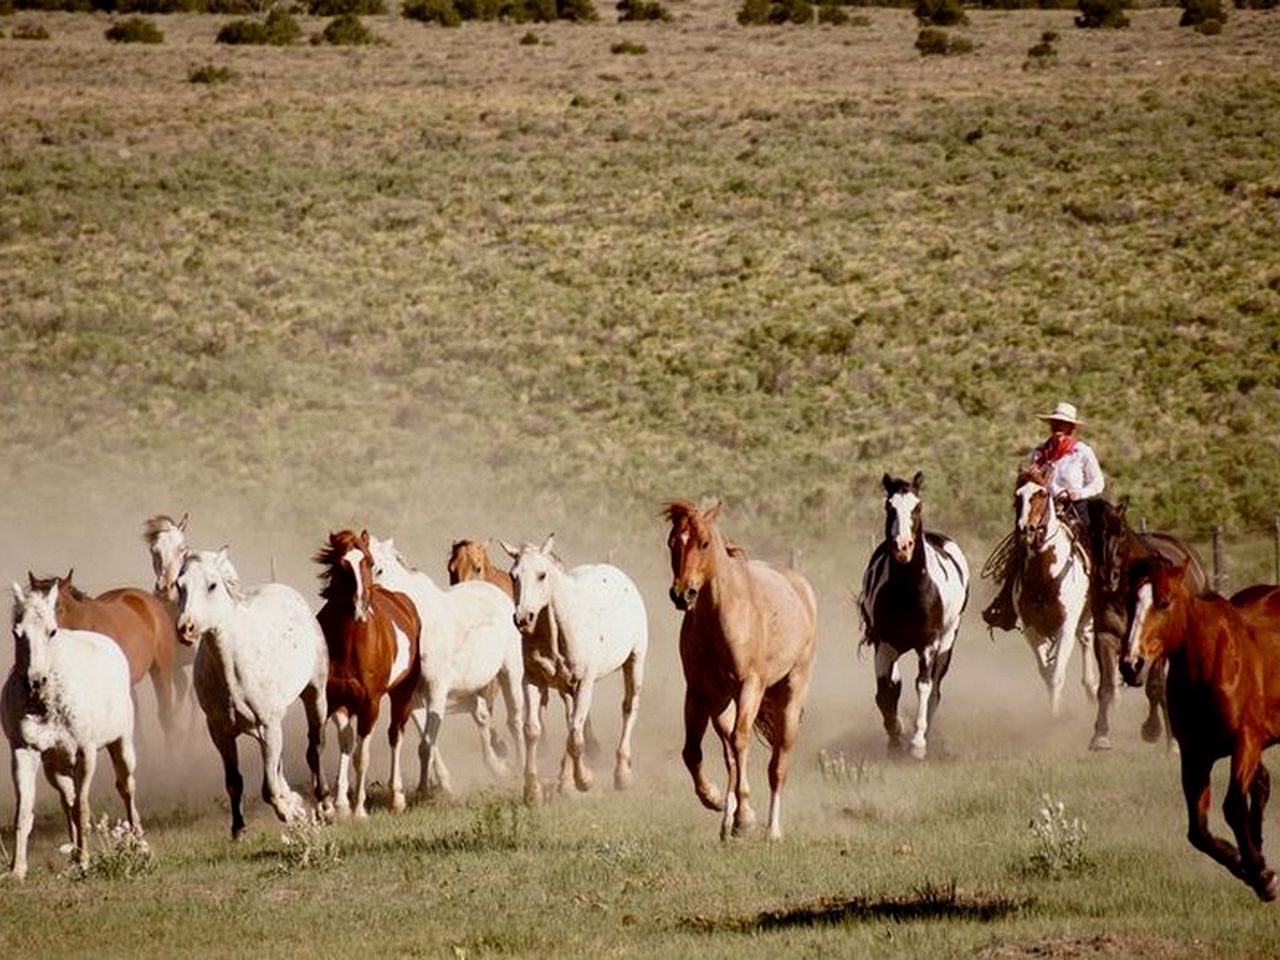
<point x="542" y="576"/>
<point x="213" y="586"/>
<point x="705" y="544"/>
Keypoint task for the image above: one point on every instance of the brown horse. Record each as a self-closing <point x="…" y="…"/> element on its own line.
<point x="372" y="635"/>
<point x="1224" y="700"/>
<point x="469" y="560"/>
<point x="747" y="644"/>
<point x="139" y="624"/>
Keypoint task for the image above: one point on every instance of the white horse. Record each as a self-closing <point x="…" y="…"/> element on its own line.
<point x="67" y="695"/>
<point x="599" y="625"/>
<point x="468" y="641"/>
<point x="259" y="651"/>
<point x="1051" y="588"/>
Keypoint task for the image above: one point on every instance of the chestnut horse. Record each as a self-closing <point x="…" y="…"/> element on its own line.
<point x="1116" y="548"/>
<point x="372" y="635"/>
<point x="469" y="560"/>
<point x="746" y="644"/>
<point x="138" y="623"/>
<point x="1224" y="699"/>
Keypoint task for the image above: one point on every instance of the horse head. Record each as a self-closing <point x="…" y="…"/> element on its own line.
<point x="692" y="552"/>
<point x="468" y="560"/>
<point x="166" y="539"/>
<point x="347" y="573"/>
<point x="35" y="623"/>
<point x="1033" y="509"/>
<point x="903" y="523"/>
<point x="531" y="579"/>
<point x="208" y="587"/>
<point x="1155" y="596"/>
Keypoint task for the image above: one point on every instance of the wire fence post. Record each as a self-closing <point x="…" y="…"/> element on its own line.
<point x="1219" y="561"/>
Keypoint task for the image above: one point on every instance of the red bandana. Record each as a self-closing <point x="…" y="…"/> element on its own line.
<point x="1054" y="449"/>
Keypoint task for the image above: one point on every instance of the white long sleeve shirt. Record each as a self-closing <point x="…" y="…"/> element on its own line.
<point x="1077" y="474"/>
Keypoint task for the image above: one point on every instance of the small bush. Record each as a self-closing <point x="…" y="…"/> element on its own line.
<point x="239" y="32"/>
<point x="1102" y="14"/>
<point x="210" y="74"/>
<point x="626" y="46"/>
<point x="754" y="13"/>
<point x="941" y="13"/>
<point x="336" y="8"/>
<point x="1196" y="12"/>
<point x="629" y="10"/>
<point x="1210" y="28"/>
<point x="306" y="844"/>
<point x="932" y="42"/>
<point x="30" y="31"/>
<point x="1257" y="4"/>
<point x="579" y="11"/>
<point x="1058" y="841"/>
<point x="832" y="14"/>
<point x="134" y="30"/>
<point x="116" y="852"/>
<point x="530" y="39"/>
<point x="347" y="30"/>
<point x="442" y="12"/>
<point x="280" y="29"/>
<point x="1044" y="53"/>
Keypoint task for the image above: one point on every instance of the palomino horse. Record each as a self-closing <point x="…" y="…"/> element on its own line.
<point x="1224" y="700"/>
<point x="135" y="620"/>
<point x="598" y="626"/>
<point x="746" y="643"/>
<point x="260" y="650"/>
<point x="372" y="636"/>
<point x="1116" y="548"/>
<point x="1051" y="590"/>
<point x="67" y="696"/>
<point x="469" y="560"/>
<point x="166" y="541"/>
<point x="468" y="642"/>
<point x="913" y="592"/>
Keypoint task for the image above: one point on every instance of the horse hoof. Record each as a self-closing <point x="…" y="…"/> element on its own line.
<point x="361" y="813"/>
<point x="583" y="782"/>
<point x="397" y="802"/>
<point x="1100" y="741"/>
<point x="1151" y="731"/>
<point x="622" y="780"/>
<point x="532" y="792"/>
<point x="918" y="750"/>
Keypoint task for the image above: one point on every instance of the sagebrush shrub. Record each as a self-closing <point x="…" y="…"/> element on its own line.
<point x="1196" y="12"/>
<point x="832" y="14"/>
<point x="629" y="10"/>
<point x="347" y="30"/>
<point x="932" y="42"/>
<point x="30" y="31"/>
<point x="1210" y="28"/>
<point x="442" y="12"/>
<point x="754" y="13"/>
<point x="134" y="30"/>
<point x="941" y="13"/>
<point x="336" y="8"/>
<point x="1058" y="840"/>
<point x="1102" y="14"/>
<point x="626" y="46"/>
<point x="210" y="74"/>
<point x="280" y="29"/>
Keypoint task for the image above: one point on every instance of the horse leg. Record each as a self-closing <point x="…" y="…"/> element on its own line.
<point x="1195" y="789"/>
<point x="696" y="718"/>
<point x="723" y="723"/>
<point x="365" y="721"/>
<point x="632" y="681"/>
<point x="1245" y="763"/>
<point x="124" y="760"/>
<point x="401" y="701"/>
<point x="275" y="789"/>
<point x="567" y="700"/>
<point x="749" y="699"/>
<point x="346" y="744"/>
<point x="225" y="742"/>
<point x="314" y="702"/>
<point x="941" y="664"/>
<point x="437" y="701"/>
<point x="535" y="705"/>
<point x="924" y="691"/>
<point x="86" y="763"/>
<point x="788" y="704"/>
<point x="1154" y="688"/>
<point x="1087" y="640"/>
<point x="510" y="680"/>
<point x="483" y="718"/>
<point x="1106" y="648"/>
<point x="888" y="690"/>
<point x="23" y="763"/>
<point x="60" y="779"/>
<point x="162" y="683"/>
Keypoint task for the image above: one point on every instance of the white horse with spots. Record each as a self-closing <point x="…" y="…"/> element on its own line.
<point x="67" y="696"/>
<point x="468" y="641"/>
<point x="260" y="649"/>
<point x="598" y="626"/>
<point x="1051" y="588"/>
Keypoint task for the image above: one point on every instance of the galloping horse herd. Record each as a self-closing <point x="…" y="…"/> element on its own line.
<point x="747" y="644"/>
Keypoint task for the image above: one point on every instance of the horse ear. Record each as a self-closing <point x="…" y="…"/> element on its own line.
<point x="887" y="481"/>
<point x="549" y="544"/>
<point x="18" y="595"/>
<point x="182" y="524"/>
<point x="512" y="552"/>
<point x="712" y="513"/>
<point x="917" y="481"/>
<point x="70" y="572"/>
<point x="31" y="579"/>
<point x="364" y="537"/>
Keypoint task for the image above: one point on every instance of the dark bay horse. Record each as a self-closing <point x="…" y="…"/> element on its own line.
<point x="747" y="643"/>
<point x="372" y="635"/>
<point x="139" y="624"/>
<point x="1224" y="699"/>
<point x="914" y="589"/>
<point x="1116" y="549"/>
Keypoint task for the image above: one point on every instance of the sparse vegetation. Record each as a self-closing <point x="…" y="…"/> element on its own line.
<point x="135" y="30"/>
<point x="279" y="29"/>
<point x="347" y="30"/>
<point x="641" y="10"/>
<point x="30" y="31"/>
<point x="1043" y="53"/>
<point x="1197" y="13"/>
<point x="832" y="14"/>
<point x="765" y="12"/>
<point x="451" y="13"/>
<point x="1103" y="14"/>
<point x="941" y="13"/>
<point x="211" y="74"/>
<point x="338" y="8"/>
<point x="1058" y="841"/>
<point x="628" y="47"/>
<point x="932" y="42"/>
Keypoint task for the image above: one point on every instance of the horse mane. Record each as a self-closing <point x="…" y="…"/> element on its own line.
<point x="1035" y="474"/>
<point x="43" y="585"/>
<point x="675" y="511"/>
<point x="330" y="557"/>
<point x="154" y="526"/>
<point x="230" y="576"/>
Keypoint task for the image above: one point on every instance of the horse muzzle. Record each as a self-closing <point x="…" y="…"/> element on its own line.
<point x="524" y="620"/>
<point x="186" y="631"/>
<point x="684" y="599"/>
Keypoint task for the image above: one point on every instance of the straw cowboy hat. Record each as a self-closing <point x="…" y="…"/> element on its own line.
<point x="1064" y="413"/>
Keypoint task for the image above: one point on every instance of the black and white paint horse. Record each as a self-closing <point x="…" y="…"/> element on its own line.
<point x="913" y="592"/>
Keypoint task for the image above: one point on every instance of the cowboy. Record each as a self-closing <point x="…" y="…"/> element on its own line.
<point x="1075" y="481"/>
